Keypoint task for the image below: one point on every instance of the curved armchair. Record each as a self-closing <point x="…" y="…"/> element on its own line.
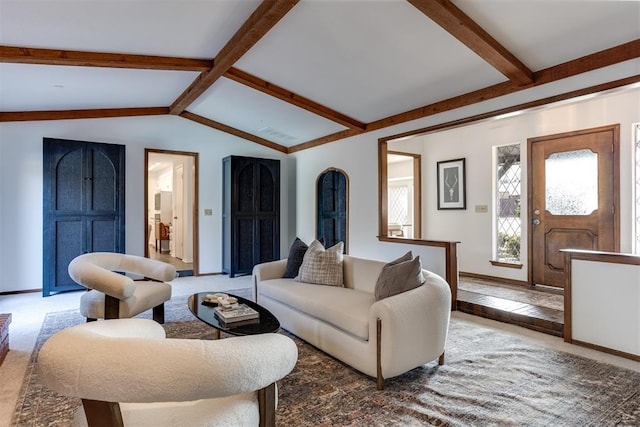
<point x="114" y="295"/>
<point x="128" y="374"/>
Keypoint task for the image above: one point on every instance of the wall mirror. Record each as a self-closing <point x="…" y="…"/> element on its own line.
<point x="400" y="174"/>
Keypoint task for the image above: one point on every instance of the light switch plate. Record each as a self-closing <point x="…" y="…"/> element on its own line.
<point x="482" y="208"/>
<point x="208" y="212"/>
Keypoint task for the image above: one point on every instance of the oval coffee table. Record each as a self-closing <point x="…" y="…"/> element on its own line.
<point x="265" y="324"/>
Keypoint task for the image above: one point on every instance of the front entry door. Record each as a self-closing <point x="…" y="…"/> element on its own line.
<point x="573" y="198"/>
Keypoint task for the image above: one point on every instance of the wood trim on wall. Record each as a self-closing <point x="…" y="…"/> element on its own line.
<point x="417" y="191"/>
<point x="196" y="202"/>
<point x="596" y="256"/>
<point x="451" y="260"/>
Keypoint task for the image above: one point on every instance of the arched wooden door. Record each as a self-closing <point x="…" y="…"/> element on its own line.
<point x="332" y="204"/>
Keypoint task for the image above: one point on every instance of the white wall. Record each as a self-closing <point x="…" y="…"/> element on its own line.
<point x="357" y="156"/>
<point x="21" y="176"/>
<point x="21" y="185"/>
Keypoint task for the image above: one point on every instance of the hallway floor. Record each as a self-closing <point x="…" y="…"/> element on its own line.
<point x="540" y="309"/>
<point x="176" y="262"/>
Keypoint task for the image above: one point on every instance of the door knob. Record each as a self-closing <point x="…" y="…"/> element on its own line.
<point x="536" y="221"/>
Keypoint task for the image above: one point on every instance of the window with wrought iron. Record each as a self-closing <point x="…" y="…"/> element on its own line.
<point x="508" y="190"/>
<point x="399" y="196"/>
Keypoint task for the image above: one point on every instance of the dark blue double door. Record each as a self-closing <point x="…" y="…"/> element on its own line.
<point x="83" y="205"/>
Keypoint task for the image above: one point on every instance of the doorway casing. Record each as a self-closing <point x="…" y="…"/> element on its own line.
<point x="194" y="213"/>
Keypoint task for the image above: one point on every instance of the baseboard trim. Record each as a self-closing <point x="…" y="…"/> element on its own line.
<point x="22" y="291"/>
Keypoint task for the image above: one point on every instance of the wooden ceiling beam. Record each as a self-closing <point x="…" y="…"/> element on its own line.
<point x="467" y="31"/>
<point x="613" y="85"/>
<point x="98" y="113"/>
<point x="324" y="140"/>
<point x="265" y="17"/>
<point x="283" y="94"/>
<point x="604" y="58"/>
<point x="233" y="131"/>
<point x="27" y="55"/>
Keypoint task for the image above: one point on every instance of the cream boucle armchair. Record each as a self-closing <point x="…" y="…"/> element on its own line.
<point x="116" y="296"/>
<point x="128" y="374"/>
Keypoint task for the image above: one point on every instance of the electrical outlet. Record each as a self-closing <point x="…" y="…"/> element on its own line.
<point x="482" y="208"/>
<point x="208" y="212"/>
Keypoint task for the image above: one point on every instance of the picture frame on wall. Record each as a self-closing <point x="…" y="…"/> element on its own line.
<point x="452" y="184"/>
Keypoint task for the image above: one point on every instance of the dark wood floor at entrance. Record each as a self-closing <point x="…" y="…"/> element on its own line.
<point x="539" y="309"/>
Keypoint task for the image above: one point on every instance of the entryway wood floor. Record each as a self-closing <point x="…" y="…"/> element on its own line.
<point x="540" y="309"/>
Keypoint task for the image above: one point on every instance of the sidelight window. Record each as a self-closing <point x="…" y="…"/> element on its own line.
<point x="508" y="189"/>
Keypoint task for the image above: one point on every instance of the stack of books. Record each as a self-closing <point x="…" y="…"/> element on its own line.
<point x="240" y="313"/>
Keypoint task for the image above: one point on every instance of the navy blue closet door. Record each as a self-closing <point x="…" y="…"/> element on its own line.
<point x="332" y="208"/>
<point x="83" y="205"/>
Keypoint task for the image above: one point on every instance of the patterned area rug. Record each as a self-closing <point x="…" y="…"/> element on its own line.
<point x="489" y="379"/>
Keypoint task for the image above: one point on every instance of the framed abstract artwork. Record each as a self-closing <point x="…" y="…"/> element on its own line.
<point x="452" y="184"/>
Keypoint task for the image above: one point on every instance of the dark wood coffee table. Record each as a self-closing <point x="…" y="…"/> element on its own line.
<point x="265" y="324"/>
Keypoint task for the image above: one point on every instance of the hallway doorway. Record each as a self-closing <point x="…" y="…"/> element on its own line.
<point x="171" y="207"/>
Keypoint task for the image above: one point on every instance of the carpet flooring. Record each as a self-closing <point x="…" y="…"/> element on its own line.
<point x="489" y="379"/>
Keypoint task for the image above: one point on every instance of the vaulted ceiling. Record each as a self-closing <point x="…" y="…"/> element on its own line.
<point x="293" y="74"/>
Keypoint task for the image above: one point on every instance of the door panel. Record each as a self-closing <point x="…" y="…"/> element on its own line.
<point x="83" y="205"/>
<point x="103" y="182"/>
<point x="573" y="198"/>
<point x="332" y="203"/>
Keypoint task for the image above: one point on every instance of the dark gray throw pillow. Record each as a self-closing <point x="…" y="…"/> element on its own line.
<point x="296" y="255"/>
<point x="400" y="275"/>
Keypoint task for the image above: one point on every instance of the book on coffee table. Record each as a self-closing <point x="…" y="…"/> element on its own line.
<point x="237" y="314"/>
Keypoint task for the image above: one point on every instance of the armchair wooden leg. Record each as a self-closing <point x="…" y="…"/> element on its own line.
<point x="111" y="307"/>
<point x="441" y="359"/>
<point x="158" y="313"/>
<point x="102" y="414"/>
<point x="267" y="405"/>
<point x="380" y="379"/>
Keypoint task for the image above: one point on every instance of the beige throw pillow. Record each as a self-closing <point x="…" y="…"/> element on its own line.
<point x="400" y="275"/>
<point x="322" y="266"/>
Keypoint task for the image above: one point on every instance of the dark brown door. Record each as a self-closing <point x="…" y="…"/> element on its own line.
<point x="573" y="198"/>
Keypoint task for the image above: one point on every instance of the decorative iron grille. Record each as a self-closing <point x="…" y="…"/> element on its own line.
<point x="398" y="205"/>
<point x="509" y="179"/>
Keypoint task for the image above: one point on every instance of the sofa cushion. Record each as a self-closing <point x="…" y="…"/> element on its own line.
<point x="346" y="309"/>
<point x="322" y="266"/>
<point x="400" y="275"/>
<point x="294" y="260"/>
<point x="296" y="255"/>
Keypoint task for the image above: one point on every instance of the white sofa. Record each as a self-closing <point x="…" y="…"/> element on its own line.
<point x="382" y="338"/>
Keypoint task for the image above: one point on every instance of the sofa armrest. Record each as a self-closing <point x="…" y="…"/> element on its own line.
<point x="414" y="325"/>
<point x="267" y="271"/>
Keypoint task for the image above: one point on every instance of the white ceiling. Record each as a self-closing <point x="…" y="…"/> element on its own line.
<point x="366" y="59"/>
